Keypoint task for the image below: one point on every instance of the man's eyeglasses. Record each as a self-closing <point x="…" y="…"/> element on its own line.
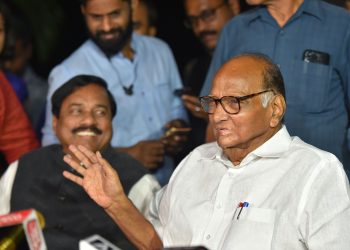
<point x="231" y="104"/>
<point x="205" y="16"/>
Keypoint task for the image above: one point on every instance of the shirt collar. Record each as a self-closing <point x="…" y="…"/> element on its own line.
<point x="310" y="7"/>
<point x="134" y="45"/>
<point x="276" y="146"/>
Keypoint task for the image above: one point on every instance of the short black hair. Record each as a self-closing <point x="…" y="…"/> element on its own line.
<point x="75" y="83"/>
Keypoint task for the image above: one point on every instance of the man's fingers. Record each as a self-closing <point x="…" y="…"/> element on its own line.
<point x="88" y="153"/>
<point x="74" y="178"/>
<point x="106" y="167"/>
<point x="75" y="165"/>
<point x="81" y="153"/>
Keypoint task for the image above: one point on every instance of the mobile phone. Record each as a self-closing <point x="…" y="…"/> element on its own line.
<point x="183" y="91"/>
<point x="314" y="56"/>
<point x="176" y="130"/>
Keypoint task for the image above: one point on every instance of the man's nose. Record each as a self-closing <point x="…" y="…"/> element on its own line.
<point x="106" y="24"/>
<point x="89" y="119"/>
<point x="219" y="113"/>
<point x="199" y="25"/>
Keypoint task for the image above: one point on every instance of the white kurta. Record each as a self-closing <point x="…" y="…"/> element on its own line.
<point x="298" y="198"/>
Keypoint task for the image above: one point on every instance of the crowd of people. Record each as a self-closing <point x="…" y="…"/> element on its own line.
<point x="246" y="146"/>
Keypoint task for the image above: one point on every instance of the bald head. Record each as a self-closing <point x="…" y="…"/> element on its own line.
<point x="256" y="67"/>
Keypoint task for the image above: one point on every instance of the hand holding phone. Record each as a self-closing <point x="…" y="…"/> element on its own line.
<point x="175" y="136"/>
<point x="176" y="130"/>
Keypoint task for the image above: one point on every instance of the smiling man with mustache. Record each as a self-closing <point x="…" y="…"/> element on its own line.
<point x="82" y="110"/>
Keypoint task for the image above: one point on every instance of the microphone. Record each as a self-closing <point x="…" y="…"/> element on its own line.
<point x="96" y="242"/>
<point x="24" y="223"/>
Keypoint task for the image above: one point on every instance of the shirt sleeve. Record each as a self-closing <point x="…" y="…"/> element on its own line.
<point x="6" y="183"/>
<point x="17" y="136"/>
<point x="56" y="78"/>
<point x="325" y="215"/>
<point x="154" y="214"/>
<point x="142" y="193"/>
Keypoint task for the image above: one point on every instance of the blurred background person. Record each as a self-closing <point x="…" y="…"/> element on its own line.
<point x="205" y="18"/>
<point x="30" y="88"/>
<point x="16" y="134"/>
<point x="144" y="18"/>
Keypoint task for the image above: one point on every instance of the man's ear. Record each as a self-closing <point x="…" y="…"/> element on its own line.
<point x="278" y="106"/>
<point x="235" y="7"/>
<point x="152" y="31"/>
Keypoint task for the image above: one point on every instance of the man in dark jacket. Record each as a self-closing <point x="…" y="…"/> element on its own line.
<point x="83" y="110"/>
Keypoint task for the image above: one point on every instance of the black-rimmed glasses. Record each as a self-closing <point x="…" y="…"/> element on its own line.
<point x="205" y="16"/>
<point x="231" y="104"/>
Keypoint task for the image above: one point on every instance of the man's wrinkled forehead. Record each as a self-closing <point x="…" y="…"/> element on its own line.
<point x="242" y="71"/>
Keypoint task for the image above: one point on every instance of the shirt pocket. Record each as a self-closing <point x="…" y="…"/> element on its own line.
<point x="308" y="85"/>
<point x="253" y="230"/>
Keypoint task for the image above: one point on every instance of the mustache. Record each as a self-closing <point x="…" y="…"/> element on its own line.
<point x="92" y="128"/>
<point x="111" y="32"/>
<point x="207" y="33"/>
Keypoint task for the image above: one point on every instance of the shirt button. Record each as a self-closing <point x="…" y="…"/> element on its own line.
<point x="218" y="206"/>
<point x="62" y="197"/>
<point x="282" y="32"/>
<point x="150" y="119"/>
<point x="230" y="174"/>
<point x="208" y="236"/>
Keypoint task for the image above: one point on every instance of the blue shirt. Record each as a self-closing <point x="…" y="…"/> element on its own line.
<point x="140" y="116"/>
<point x="317" y="94"/>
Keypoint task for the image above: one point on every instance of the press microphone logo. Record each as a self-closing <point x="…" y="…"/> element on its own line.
<point x="34" y="234"/>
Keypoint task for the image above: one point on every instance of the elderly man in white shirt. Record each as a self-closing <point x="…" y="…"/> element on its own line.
<point x="256" y="187"/>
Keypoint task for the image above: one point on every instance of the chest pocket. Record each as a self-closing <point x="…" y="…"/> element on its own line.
<point x="308" y="85"/>
<point x="253" y="230"/>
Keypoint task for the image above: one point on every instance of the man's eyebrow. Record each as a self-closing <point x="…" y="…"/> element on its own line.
<point x="101" y="106"/>
<point x="75" y="104"/>
<point x="105" y="14"/>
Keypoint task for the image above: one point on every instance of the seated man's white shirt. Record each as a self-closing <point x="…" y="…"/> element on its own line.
<point x="298" y="198"/>
<point x="141" y="193"/>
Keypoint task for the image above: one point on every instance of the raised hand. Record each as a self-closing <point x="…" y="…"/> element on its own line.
<point x="102" y="184"/>
<point x="98" y="178"/>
